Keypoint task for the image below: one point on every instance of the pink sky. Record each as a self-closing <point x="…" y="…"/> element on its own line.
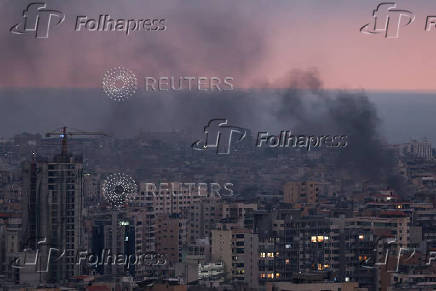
<point x="256" y="42"/>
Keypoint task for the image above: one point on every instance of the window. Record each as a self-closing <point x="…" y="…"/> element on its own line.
<point x="318" y="238"/>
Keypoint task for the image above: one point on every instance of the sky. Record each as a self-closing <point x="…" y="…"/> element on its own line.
<point x="48" y="83"/>
<point x="258" y="42"/>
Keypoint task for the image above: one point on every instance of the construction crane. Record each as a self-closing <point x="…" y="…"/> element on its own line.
<point x="63" y="133"/>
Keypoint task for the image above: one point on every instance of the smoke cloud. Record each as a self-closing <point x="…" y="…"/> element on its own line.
<point x="228" y="40"/>
<point x="304" y="107"/>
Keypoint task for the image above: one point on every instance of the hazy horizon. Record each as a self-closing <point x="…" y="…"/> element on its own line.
<point x="41" y="110"/>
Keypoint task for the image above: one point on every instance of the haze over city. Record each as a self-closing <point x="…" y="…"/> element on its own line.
<point x="217" y="145"/>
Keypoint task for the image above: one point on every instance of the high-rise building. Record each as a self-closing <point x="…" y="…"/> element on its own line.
<point x="418" y="149"/>
<point x="198" y="213"/>
<point x="171" y="236"/>
<point x="238" y="249"/>
<point x="53" y="212"/>
<point x="300" y="193"/>
<point x="202" y="217"/>
<point x="240" y="213"/>
<point x="113" y="235"/>
<point x="10" y="237"/>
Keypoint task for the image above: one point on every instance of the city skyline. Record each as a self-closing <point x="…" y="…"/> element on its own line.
<point x="191" y="145"/>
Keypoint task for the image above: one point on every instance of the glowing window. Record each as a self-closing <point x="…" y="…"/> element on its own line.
<point x="320" y="267"/>
<point x="363" y="258"/>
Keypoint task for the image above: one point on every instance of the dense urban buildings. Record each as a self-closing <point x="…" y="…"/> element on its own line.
<point x="306" y="227"/>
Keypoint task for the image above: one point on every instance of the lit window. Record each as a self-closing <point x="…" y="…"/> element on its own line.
<point x="318" y="238"/>
<point x="287" y="261"/>
<point x="361" y="236"/>
<point x="277" y="275"/>
<point x="262" y="255"/>
<point x="270" y="255"/>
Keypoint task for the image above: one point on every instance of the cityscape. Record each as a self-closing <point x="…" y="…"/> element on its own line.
<point x="188" y="145"/>
<point x="279" y="220"/>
